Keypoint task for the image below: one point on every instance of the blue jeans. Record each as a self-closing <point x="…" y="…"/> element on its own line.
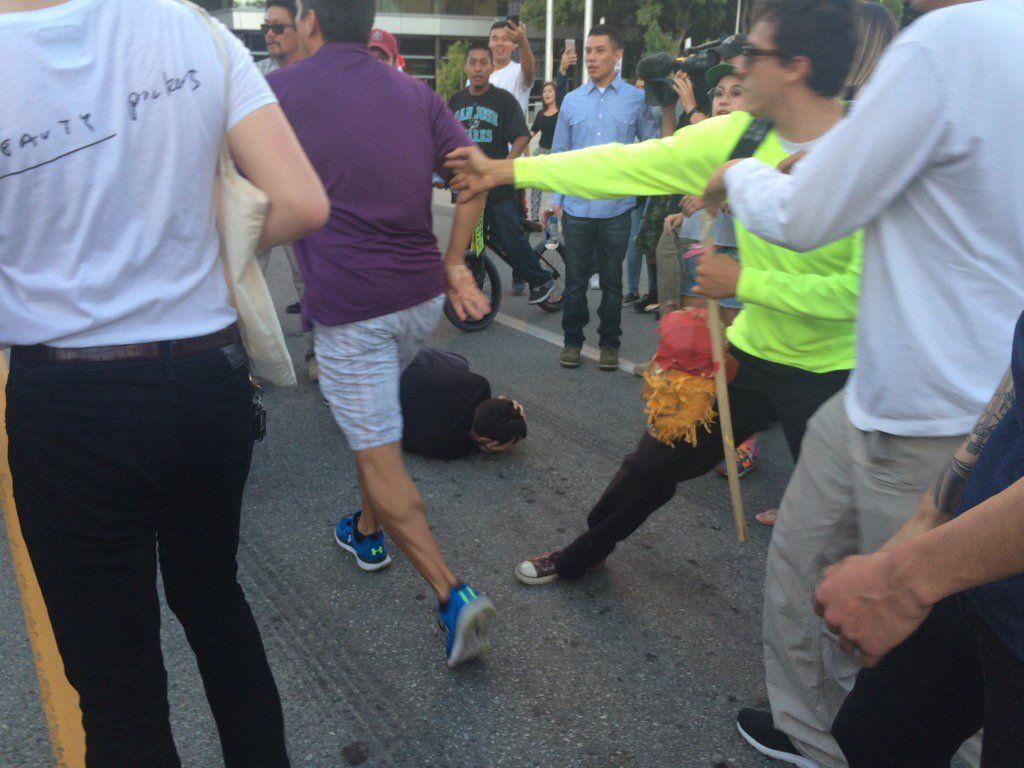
<point x="594" y="245"/>
<point x="634" y="259"/>
<point x="502" y="219"/>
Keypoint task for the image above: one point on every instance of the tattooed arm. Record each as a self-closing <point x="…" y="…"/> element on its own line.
<point x="943" y="496"/>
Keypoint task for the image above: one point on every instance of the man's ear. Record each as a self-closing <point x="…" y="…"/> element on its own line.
<point x="800" y="69"/>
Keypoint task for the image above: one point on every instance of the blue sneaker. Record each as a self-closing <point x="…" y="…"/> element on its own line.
<point x="465" y="620"/>
<point x="370" y="553"/>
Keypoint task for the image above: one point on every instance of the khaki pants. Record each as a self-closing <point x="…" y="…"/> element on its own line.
<point x="263" y="259"/>
<point x="849" y="493"/>
<point x="666" y="257"/>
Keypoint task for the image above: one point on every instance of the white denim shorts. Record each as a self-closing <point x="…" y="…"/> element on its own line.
<point x="360" y="365"/>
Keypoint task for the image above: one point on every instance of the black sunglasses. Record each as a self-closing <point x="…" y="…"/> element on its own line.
<point x="750" y="52"/>
<point x="277" y="29"/>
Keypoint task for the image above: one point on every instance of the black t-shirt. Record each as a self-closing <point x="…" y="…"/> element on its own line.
<point x="545" y="125"/>
<point x="439" y="395"/>
<point x="493" y="120"/>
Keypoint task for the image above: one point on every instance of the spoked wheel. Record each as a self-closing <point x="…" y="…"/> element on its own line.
<point x="553" y="260"/>
<point x="489" y="280"/>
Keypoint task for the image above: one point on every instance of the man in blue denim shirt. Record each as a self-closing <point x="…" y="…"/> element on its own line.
<point x="596" y="232"/>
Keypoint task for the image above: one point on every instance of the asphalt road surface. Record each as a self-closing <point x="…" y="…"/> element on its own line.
<point x="644" y="664"/>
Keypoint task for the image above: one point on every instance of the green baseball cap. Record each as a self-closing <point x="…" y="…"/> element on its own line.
<point x="717" y="72"/>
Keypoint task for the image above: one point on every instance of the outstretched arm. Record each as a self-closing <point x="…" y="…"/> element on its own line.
<point x="678" y="164"/>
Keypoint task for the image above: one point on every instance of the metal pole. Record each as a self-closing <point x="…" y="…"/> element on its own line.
<point x="588" y="22"/>
<point x="549" y="43"/>
<point x="739" y="15"/>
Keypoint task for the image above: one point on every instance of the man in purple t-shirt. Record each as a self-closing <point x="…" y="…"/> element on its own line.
<point x="375" y="280"/>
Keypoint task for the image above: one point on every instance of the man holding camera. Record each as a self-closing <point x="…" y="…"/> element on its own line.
<point x="597" y="232"/>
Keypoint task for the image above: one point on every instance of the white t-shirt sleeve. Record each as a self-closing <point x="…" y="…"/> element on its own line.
<point x="249" y="89"/>
<point x="859" y="167"/>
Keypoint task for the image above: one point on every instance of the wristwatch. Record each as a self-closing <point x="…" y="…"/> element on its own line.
<point x="691" y="113"/>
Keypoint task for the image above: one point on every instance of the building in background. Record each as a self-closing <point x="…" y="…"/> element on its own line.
<point x="424" y="28"/>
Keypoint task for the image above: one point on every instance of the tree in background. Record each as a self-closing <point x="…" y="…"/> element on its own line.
<point x="450" y="75"/>
<point x="661" y="24"/>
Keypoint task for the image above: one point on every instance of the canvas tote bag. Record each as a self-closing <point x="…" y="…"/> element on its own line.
<point x="241" y="212"/>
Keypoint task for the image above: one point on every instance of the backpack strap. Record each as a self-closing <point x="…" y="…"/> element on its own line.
<point x="752" y="138"/>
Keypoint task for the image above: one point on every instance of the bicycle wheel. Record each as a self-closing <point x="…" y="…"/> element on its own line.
<point x="489" y="281"/>
<point x="553" y="260"/>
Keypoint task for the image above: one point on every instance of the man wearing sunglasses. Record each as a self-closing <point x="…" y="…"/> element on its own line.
<point x="282" y="39"/>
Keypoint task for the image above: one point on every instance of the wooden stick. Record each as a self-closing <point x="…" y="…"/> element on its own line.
<point x="722" y="394"/>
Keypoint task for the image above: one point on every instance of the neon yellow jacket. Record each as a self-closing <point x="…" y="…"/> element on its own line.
<point x="798" y="308"/>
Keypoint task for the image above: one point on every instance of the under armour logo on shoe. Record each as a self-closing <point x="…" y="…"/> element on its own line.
<point x="377" y="551"/>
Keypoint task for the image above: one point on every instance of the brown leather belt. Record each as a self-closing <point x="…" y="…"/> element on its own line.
<point x="152" y="350"/>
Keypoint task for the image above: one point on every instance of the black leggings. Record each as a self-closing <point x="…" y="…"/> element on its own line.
<point x="761" y="393"/>
<point x="933" y="692"/>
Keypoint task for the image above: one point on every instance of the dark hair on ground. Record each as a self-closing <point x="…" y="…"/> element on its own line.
<point x="288" y="5"/>
<point x="343" y="21"/>
<point x="497" y="419"/>
<point x="607" y="29"/>
<point x="479" y="47"/>
<point x="822" y="30"/>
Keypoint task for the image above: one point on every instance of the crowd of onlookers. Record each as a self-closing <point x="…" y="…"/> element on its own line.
<point x="863" y="202"/>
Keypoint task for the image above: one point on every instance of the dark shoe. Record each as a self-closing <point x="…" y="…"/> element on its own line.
<point x="649" y="303"/>
<point x="759" y="731"/>
<point x="630" y="298"/>
<point x="542" y="293"/>
<point x="518" y="288"/>
<point x="609" y="360"/>
<point x="570" y="357"/>
<point x="538" y="570"/>
<point x="294" y="309"/>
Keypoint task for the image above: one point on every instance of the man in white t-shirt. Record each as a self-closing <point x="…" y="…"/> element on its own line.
<point x="516" y="77"/>
<point x="130" y="412"/>
<point x="928" y="163"/>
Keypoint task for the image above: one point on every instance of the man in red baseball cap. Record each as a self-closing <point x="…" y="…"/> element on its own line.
<point x="384" y="46"/>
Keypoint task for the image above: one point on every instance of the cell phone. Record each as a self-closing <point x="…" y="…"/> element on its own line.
<point x="570" y="45"/>
<point x="513" y="19"/>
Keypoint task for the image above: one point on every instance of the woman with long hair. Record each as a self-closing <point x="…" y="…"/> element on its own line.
<point x="876" y="28"/>
<point x="544" y="124"/>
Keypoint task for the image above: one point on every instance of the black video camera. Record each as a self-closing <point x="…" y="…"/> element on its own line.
<point x="657" y="70"/>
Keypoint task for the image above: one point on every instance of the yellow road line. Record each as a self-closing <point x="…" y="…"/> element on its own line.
<point x="60" y="700"/>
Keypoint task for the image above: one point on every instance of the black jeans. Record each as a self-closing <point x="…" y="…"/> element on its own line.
<point x="113" y="463"/>
<point x="594" y="245"/>
<point x="503" y="221"/>
<point x="761" y="393"/>
<point x="933" y="692"/>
